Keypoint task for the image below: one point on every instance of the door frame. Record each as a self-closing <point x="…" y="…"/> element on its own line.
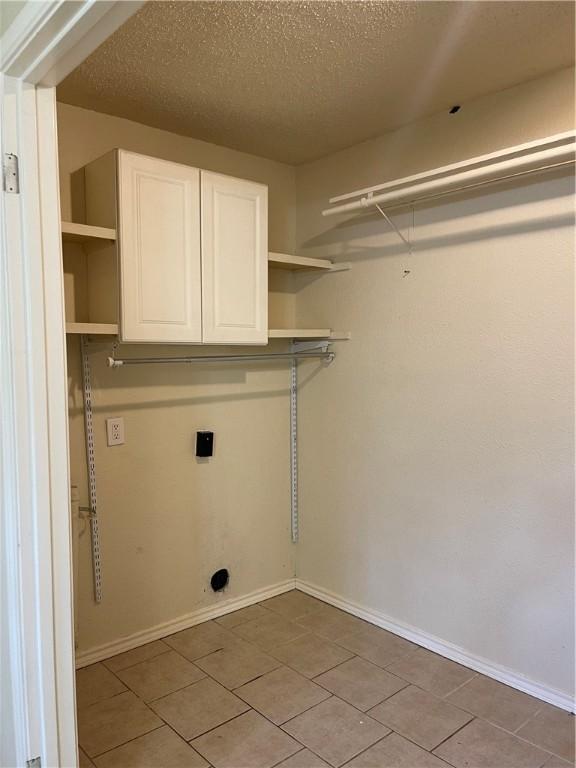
<point x="45" y="41"/>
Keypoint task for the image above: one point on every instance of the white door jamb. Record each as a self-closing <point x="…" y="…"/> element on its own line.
<point x="45" y="41"/>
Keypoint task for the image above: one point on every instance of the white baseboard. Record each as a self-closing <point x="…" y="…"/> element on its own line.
<point x="92" y="655"/>
<point x="432" y="643"/>
<point x="441" y="647"/>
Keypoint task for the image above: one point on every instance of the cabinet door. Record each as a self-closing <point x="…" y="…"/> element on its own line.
<point x="159" y="247"/>
<point x="234" y="260"/>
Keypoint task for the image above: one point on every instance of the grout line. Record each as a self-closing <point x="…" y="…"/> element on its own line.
<point x="252" y="680"/>
<point x="130" y="666"/>
<point x="427" y="751"/>
<point x="381" y="701"/>
<point x="169" y="693"/>
<point x="224" y="722"/>
<point x="117" y="678"/>
<point x="523" y="739"/>
<point x="404" y="655"/>
<point x="534" y="714"/>
<point x="287" y="664"/>
<point x="200" y="658"/>
<point x="166" y="722"/>
<point x="389" y="697"/>
<point x="451" y="693"/>
<point x="281" y="725"/>
<point x="481" y="719"/>
<point x="301" y="713"/>
<point x="453" y="734"/>
<point x="176" y="690"/>
<point x="367" y="711"/>
<point x="343" y="701"/>
<point x="282" y="759"/>
<point x="330" y="696"/>
<point x="107" y="751"/>
<point x="105" y="698"/>
<point x="363" y="752"/>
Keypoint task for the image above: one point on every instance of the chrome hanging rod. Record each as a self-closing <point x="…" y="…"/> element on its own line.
<point x="323" y="354"/>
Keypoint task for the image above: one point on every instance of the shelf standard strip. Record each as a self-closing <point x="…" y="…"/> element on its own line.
<point x="294" y="449"/>
<point x="91" y="459"/>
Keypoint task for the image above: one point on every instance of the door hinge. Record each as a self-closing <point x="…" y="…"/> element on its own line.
<point x="10" y="174"/>
<point x="34" y="763"/>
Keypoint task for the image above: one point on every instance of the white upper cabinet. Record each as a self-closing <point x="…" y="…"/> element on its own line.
<point x="191" y="250"/>
<point x="159" y="250"/>
<point x="234" y="260"/>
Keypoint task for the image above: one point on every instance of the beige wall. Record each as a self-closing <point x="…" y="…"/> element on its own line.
<point x="437" y="464"/>
<point x="169" y="521"/>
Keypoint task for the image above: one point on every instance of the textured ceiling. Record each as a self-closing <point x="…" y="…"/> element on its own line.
<point x="297" y="80"/>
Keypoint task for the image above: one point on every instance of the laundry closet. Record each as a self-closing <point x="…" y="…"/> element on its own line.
<point x="339" y="364"/>
<point x="172" y="260"/>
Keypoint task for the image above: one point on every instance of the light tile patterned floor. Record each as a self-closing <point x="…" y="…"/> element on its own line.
<point x="295" y="683"/>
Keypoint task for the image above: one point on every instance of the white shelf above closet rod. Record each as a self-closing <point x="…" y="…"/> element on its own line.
<point x="533" y="157"/>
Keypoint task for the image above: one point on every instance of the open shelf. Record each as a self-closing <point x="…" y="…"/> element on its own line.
<point x="111" y="329"/>
<point x="298" y="333"/>
<point x="307" y="333"/>
<point x="102" y="329"/>
<point x="84" y="233"/>
<point x="286" y="261"/>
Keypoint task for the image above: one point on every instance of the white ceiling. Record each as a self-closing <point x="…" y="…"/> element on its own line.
<point x="295" y="80"/>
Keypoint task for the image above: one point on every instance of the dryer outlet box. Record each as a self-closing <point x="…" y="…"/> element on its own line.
<point x="204" y="444"/>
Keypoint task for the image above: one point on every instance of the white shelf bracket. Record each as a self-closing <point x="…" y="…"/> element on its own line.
<point x="393" y="226"/>
<point x="341" y="266"/>
<point x="320" y="345"/>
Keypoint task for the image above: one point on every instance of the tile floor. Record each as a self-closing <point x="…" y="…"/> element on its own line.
<point x="295" y="683"/>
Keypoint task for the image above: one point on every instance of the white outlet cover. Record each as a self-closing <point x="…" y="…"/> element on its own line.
<point x="115" y="431"/>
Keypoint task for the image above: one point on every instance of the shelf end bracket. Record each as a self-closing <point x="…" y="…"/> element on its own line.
<point x="394" y="227"/>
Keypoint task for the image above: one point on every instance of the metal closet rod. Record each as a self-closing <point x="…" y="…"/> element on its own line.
<point x="114" y="362"/>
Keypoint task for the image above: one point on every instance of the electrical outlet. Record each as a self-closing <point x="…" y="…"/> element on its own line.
<point x="115" y="431"/>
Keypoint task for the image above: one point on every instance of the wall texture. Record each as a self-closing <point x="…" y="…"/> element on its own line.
<point x="169" y="521"/>
<point x="437" y="462"/>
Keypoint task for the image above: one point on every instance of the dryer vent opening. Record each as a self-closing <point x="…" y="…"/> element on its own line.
<point x="220" y="580"/>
